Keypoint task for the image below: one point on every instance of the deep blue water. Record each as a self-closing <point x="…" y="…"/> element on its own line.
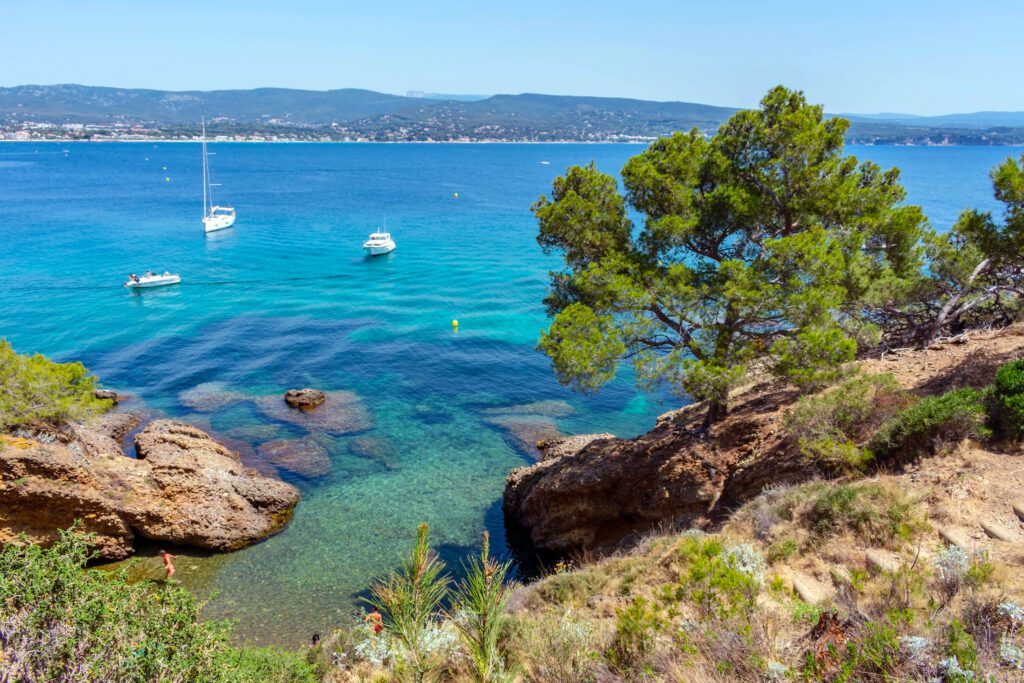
<point x="286" y="299"/>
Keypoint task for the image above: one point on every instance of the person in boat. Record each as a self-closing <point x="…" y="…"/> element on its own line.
<point x="132" y="277"/>
<point x="167" y="273"/>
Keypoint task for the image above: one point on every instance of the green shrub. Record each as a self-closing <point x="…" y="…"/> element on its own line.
<point x="834" y="425"/>
<point x="782" y="550"/>
<point x="60" y="622"/>
<point x="636" y="629"/>
<point x="873" y="513"/>
<point x="1007" y="401"/>
<point x="931" y="426"/>
<point x="35" y="389"/>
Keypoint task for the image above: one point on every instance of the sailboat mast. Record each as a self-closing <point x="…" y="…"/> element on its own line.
<point x="206" y="179"/>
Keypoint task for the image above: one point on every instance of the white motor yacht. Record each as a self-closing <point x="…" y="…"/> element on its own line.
<point x="151" y="280"/>
<point x="379" y="243"/>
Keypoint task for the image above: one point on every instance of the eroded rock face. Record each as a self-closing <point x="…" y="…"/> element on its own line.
<point x="304" y="398"/>
<point x="184" y="489"/>
<point x="597" y="493"/>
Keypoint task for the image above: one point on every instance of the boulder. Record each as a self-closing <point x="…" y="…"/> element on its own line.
<point x="105" y="395"/>
<point x="304" y="399"/>
<point x="184" y="488"/>
<point x="342" y="412"/>
<point x="304" y="457"/>
<point x="201" y="494"/>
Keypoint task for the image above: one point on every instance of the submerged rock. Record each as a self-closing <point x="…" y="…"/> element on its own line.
<point x="304" y="398"/>
<point x="185" y="488"/>
<point x="549" y="407"/>
<point x="342" y="412"/>
<point x="377" y="448"/>
<point x="523" y="432"/>
<point x="304" y="457"/>
<point x="209" y="397"/>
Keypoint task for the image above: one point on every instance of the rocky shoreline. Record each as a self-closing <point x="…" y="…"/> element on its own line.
<point x="184" y="488"/>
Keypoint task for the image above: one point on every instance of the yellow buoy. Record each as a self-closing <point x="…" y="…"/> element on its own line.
<point x="456" y="195"/>
<point x="168" y="178"/>
<point x="455" y="324"/>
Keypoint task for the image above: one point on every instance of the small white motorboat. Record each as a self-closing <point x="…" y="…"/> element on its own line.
<point x="151" y="280"/>
<point x="379" y="243"/>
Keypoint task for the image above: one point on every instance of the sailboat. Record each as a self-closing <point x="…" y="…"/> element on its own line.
<point x="214" y="217"/>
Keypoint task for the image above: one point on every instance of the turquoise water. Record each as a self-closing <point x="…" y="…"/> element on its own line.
<point x="286" y="299"/>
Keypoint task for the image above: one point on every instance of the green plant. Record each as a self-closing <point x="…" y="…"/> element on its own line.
<point x="479" y="615"/>
<point x="722" y="582"/>
<point x="782" y="550"/>
<point x="876" y="514"/>
<point x="571" y="588"/>
<point x="931" y="426"/>
<point x="35" y="389"/>
<point x="636" y="629"/>
<point x="409" y="599"/>
<point x="757" y="245"/>
<point x="61" y="622"/>
<point x="1008" y="399"/>
<point x="833" y="426"/>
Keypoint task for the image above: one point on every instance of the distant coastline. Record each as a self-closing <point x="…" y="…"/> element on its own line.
<point x="67" y="113"/>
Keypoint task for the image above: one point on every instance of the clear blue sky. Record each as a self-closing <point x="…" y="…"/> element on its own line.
<point x="867" y="56"/>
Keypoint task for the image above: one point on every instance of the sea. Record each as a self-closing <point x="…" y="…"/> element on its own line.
<point x="286" y="299"/>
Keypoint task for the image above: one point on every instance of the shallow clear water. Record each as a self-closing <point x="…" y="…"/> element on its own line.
<point x="286" y="299"/>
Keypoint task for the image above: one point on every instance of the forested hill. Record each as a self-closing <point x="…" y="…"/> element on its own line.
<point x="77" y="111"/>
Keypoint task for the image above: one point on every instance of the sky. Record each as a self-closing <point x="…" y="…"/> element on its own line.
<point x="868" y="56"/>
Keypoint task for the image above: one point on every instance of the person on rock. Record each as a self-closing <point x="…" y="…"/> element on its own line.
<point x="168" y="564"/>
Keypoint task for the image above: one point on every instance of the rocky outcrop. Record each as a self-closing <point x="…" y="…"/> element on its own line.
<point x="105" y="395"/>
<point x="609" y="491"/>
<point x="185" y="488"/>
<point x="304" y="398"/>
<point x="551" y="449"/>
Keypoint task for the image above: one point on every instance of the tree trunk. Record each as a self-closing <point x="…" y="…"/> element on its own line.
<point x="944" y="315"/>
<point x="717" y="409"/>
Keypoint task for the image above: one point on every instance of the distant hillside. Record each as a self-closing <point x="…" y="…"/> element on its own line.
<point x="976" y="120"/>
<point x="88" y="104"/>
<point x="86" y="112"/>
